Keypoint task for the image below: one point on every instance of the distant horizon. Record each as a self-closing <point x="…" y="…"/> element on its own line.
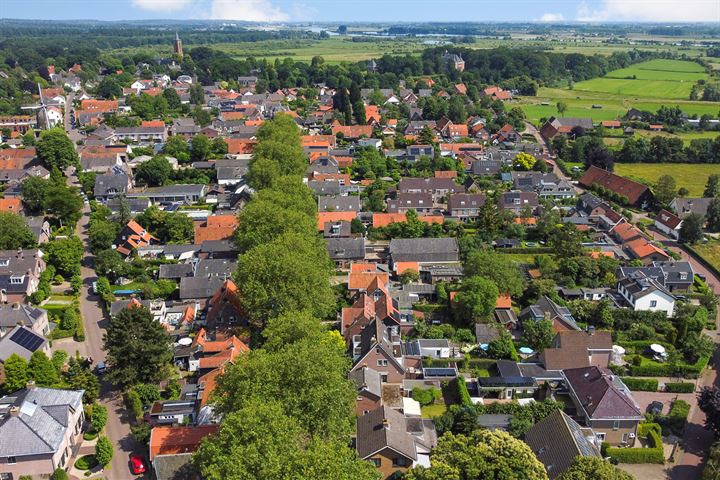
<point x="370" y="11"/>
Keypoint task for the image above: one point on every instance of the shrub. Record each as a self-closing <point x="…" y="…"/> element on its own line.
<point x="426" y="396"/>
<point x="147" y="393"/>
<point x="90" y="435"/>
<point x="86" y="462"/>
<point x="680" y="387"/>
<point x="99" y="417"/>
<point x="103" y="451"/>
<point x="678" y="415"/>
<point x="641" y="384"/>
<point x="59" y="474"/>
<point x="133" y="403"/>
<point x="463" y="393"/>
<point x="141" y="432"/>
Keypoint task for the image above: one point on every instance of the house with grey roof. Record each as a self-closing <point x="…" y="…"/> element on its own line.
<point x="345" y="250"/>
<point x="39" y="430"/>
<point x="22" y="341"/>
<point x="109" y="185"/>
<point x="684" y="207"/>
<point x="424" y="250"/>
<point x="557" y="440"/>
<point x="22" y="314"/>
<point x="39" y="227"/>
<point x="644" y="293"/>
<point x="19" y="274"/>
<point x="338" y="203"/>
<point x="368" y="384"/>
<point x="394" y="442"/>
<point x="186" y="193"/>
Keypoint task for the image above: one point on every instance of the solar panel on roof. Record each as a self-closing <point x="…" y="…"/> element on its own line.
<point x="439" y="372"/>
<point x="27" y="339"/>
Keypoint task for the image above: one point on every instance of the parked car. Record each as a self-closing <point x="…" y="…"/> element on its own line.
<point x="137" y="465"/>
<point x="101" y="368"/>
<point x="655" y="408"/>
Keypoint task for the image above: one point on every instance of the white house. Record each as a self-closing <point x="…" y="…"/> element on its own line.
<point x="644" y="293"/>
<point x="439" y="348"/>
<point x="668" y="223"/>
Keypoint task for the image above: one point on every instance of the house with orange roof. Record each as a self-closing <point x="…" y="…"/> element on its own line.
<point x="360" y="280"/>
<point x="497" y="93"/>
<point x="625" y="232"/>
<point x="384" y="219"/>
<point x="152" y="124"/>
<point x="104" y="106"/>
<point x="611" y="123"/>
<point x="172" y="448"/>
<point x="402" y="267"/>
<point x="224" y="308"/>
<point x="374" y="304"/>
<point x="213" y="351"/>
<point x="353" y="132"/>
<point x="333" y="217"/>
<point x="132" y="237"/>
<point x="240" y="146"/>
<point x="445" y="174"/>
<point x="11" y="205"/>
<point x="372" y="114"/>
<point x="216" y="227"/>
<point x="642" y="249"/>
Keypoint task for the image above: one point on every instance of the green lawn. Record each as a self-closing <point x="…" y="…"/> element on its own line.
<point x="691" y="176"/>
<point x="709" y="251"/>
<point x="434" y="410"/>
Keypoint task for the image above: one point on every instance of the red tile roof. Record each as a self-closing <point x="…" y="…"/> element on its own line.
<point x="385" y="219"/>
<point x="13" y="205"/>
<point x="240" y="146"/>
<point x="174" y="440"/>
<point x="324" y="217"/>
<point x="630" y="189"/>
<point x="216" y="227"/>
<point x="353" y="131"/>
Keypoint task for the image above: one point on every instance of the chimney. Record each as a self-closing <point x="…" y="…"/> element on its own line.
<point x="16" y="306"/>
<point x="30" y="385"/>
<point x="15" y="411"/>
<point x="385" y="423"/>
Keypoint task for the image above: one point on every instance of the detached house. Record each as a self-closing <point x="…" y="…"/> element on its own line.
<point x="637" y="194"/>
<point x="19" y="274"/>
<point x="645" y="293"/>
<point x="132" y="237"/>
<point x="604" y="404"/>
<point x="40" y="428"/>
<point x="668" y="223"/>
<point x="394" y="442"/>
<point x="437" y="187"/>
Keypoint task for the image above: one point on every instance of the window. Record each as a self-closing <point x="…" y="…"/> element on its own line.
<point x="11" y="460"/>
<point x="624" y="438"/>
<point x="17" y="280"/>
<point x="382" y="363"/>
<point x="375" y="461"/>
<point x="653" y="303"/>
<point x="616" y="424"/>
<point x="400" y="462"/>
<point x="600" y="436"/>
<point x="6" y="476"/>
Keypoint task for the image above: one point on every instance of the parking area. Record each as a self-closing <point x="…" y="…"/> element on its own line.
<point x="644" y="399"/>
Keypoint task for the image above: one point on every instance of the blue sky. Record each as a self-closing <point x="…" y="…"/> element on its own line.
<point x="368" y="10"/>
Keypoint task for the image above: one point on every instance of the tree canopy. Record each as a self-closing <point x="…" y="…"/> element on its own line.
<point x="55" y="149"/>
<point x="14" y="232"/>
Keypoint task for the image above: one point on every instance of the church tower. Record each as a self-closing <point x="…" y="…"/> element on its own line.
<point x="177" y="47"/>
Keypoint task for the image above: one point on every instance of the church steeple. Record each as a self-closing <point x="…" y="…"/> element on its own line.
<point x="177" y="47"/>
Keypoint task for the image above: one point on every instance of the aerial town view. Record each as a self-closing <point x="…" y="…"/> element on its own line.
<point x="359" y="240"/>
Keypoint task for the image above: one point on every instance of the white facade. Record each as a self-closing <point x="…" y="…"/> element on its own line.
<point x="655" y="301"/>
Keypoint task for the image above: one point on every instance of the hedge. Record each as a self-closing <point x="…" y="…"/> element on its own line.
<point x="668" y="370"/>
<point x="429" y="307"/>
<point x="680" y="387"/>
<point x="653" y="454"/>
<point x="463" y="393"/>
<point x="528" y="250"/>
<point x="641" y="384"/>
<point x="678" y="415"/>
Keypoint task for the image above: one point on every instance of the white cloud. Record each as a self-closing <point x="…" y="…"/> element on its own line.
<point x="552" y="17"/>
<point x="161" y="5"/>
<point x="247" y="10"/>
<point x="651" y="11"/>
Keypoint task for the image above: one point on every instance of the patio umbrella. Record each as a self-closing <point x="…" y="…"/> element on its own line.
<point x="657" y="348"/>
<point x="525" y="350"/>
<point x="618" y="349"/>
<point x="484" y="346"/>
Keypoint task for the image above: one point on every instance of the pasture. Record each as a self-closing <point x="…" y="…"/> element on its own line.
<point x="668" y="79"/>
<point x="691" y="176"/>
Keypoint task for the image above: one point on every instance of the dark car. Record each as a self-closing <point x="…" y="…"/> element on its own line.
<point x="655" y="408"/>
<point x="101" y="368"/>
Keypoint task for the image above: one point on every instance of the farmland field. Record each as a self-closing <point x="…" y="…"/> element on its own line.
<point x="691" y="176"/>
<point x="709" y="251"/>
<point x="655" y="78"/>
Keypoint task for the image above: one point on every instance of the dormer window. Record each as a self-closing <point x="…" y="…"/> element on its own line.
<point x="683" y="275"/>
<point x="14" y="280"/>
<point x="4" y="262"/>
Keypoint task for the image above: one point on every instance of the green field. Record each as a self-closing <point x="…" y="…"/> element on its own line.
<point x="691" y="176"/>
<point x="671" y="79"/>
<point x="709" y="251"/>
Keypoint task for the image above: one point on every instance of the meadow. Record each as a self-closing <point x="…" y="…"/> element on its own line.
<point x="691" y="176"/>
<point x="710" y="251"/>
<point x="667" y="79"/>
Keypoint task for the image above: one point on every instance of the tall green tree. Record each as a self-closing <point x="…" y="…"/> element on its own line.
<point x="65" y="254"/>
<point x="63" y="203"/>
<point x="138" y="348"/>
<point x="14" y="232"/>
<point x="103" y="451"/>
<point x="291" y="273"/>
<point x="483" y="455"/>
<point x="691" y="230"/>
<point x="33" y="194"/>
<point x="712" y="186"/>
<point x="712" y="216"/>
<point x="665" y="189"/>
<point x="496" y="267"/>
<point x="16" y="373"/>
<point x="475" y="302"/>
<point x="42" y="370"/>
<point x="261" y="221"/>
<point x="539" y="335"/>
<point x="154" y="172"/>
<point x="261" y="441"/>
<point x="200" y="148"/>
<point x="173" y="99"/>
<point x="55" y="149"/>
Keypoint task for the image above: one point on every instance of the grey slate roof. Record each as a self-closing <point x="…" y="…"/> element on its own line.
<point x="9" y="343"/>
<point x="174" y="467"/>
<point x="110" y="184"/>
<point x="11" y="315"/>
<point x="346" y="248"/>
<point x="41" y="424"/>
<point x="382" y="428"/>
<point x="337" y="203"/>
<point x="367" y="380"/>
<point x="199" y="287"/>
<point x="424" y="250"/>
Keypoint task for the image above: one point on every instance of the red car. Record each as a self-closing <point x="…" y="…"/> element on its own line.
<point x="137" y="466"/>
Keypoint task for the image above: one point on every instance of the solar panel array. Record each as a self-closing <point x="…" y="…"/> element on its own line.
<point x="27" y="339"/>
